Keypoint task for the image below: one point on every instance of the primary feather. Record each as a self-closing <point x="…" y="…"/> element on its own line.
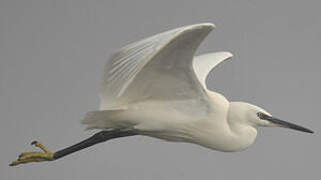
<point x="156" y="68"/>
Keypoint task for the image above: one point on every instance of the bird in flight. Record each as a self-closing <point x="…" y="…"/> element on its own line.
<point x="157" y="87"/>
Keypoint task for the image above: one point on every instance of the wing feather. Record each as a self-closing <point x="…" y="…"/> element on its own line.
<point x="203" y="64"/>
<point x="156" y="68"/>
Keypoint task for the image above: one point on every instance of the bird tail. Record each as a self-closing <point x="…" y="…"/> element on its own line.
<point x="105" y="119"/>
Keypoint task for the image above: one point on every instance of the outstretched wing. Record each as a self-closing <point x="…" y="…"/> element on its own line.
<point x="158" y="68"/>
<point x="203" y="64"/>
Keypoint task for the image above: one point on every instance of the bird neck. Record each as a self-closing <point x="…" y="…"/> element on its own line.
<point x="242" y="135"/>
<point x="224" y="137"/>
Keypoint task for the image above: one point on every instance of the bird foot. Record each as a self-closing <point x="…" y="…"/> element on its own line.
<point x="28" y="157"/>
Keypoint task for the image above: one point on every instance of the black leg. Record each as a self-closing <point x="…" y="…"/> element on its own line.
<point x="95" y="139"/>
<point x="47" y="155"/>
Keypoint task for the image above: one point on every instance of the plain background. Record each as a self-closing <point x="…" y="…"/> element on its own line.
<point x="51" y="59"/>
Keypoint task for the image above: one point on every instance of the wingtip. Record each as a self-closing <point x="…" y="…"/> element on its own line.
<point x="225" y="54"/>
<point x="209" y="26"/>
<point x="229" y="54"/>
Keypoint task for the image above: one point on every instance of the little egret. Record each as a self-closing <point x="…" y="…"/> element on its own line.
<point x="156" y="87"/>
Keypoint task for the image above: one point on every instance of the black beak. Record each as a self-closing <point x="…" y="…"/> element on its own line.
<point x="287" y="124"/>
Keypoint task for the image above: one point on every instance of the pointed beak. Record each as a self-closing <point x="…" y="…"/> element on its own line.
<point x="285" y="124"/>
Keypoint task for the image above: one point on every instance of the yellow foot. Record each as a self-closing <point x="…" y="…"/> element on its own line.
<point x="28" y="157"/>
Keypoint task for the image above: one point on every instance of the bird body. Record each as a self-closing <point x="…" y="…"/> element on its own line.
<point x="179" y="122"/>
<point x="157" y="88"/>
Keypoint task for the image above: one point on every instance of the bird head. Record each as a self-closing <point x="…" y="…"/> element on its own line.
<point x="249" y="114"/>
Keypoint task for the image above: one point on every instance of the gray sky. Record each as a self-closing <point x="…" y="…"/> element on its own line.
<point x="51" y="59"/>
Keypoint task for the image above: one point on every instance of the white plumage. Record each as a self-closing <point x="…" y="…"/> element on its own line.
<point x="157" y="87"/>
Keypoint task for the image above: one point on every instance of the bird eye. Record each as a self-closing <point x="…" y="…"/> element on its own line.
<point x="261" y="115"/>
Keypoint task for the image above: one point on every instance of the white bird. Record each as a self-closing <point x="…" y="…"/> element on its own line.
<point x="156" y="87"/>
